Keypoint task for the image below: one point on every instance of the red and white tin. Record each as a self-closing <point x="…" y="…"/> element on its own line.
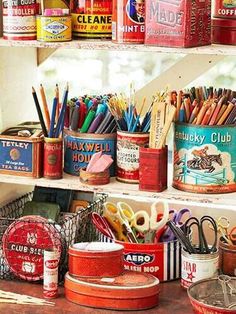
<point x="224" y="31"/>
<point x="128" y="21"/>
<point x="50" y="273"/>
<point x="129" y="291"/>
<point x="96" y="259"/>
<point x="24" y="242"/>
<point x="178" y="23"/>
<point x="52" y="161"/>
<point x="19" y="19"/>
<point x="224" y="9"/>
<point x="127" y="157"/>
<point x="196" y="267"/>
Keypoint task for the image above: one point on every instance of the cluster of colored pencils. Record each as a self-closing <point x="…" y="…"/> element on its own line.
<point x="205" y="106"/>
<point x="57" y="115"/>
<point x="90" y="114"/>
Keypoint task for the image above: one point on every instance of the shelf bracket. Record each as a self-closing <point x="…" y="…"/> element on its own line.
<point x="182" y="73"/>
<point x="43" y="54"/>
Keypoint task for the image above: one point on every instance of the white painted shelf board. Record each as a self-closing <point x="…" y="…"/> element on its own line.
<point x="115" y="187"/>
<point x="108" y="45"/>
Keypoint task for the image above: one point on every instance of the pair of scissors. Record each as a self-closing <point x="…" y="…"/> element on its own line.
<point x="222" y="228"/>
<point x="119" y="217"/>
<point x="178" y="218"/>
<point x="202" y="247"/>
<point x="149" y="225"/>
<point x="102" y="225"/>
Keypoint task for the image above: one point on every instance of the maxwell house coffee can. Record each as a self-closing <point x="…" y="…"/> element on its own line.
<point x="128" y="21"/>
<point x="19" y="19"/>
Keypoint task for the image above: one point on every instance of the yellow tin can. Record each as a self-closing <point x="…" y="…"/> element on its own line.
<point x="54" y="28"/>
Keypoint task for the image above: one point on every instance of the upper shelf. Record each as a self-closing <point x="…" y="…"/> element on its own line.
<point x="115" y="187"/>
<point x="108" y="45"/>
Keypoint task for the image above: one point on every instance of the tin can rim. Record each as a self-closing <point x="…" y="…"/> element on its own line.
<point x="205" y="126"/>
<point x="134" y="134"/>
<point x="202" y="256"/>
<point x="89" y="135"/>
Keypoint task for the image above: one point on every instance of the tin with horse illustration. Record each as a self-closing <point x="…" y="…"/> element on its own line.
<point x="204" y="158"/>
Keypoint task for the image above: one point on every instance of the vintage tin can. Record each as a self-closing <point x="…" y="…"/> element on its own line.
<point x="128" y="21"/>
<point x="50" y="273"/>
<point x="204" y="158"/>
<point x="24" y="242"/>
<point x="178" y="23"/>
<point x="227" y="262"/>
<point x="153" y="169"/>
<point x="224" y="9"/>
<point x="54" y="28"/>
<point x="197" y="267"/>
<point x="129" y="291"/>
<point x="19" y="19"/>
<point x="127" y="161"/>
<point x="79" y="148"/>
<point x="21" y="156"/>
<point x="52" y="167"/>
<point x="94" y="178"/>
<point x="92" y="19"/>
<point x="96" y="259"/>
<point x="224" y="31"/>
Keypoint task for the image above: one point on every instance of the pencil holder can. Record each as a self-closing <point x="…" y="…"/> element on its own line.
<point x="94" y="178"/>
<point x="127" y="160"/>
<point x="54" y="28"/>
<point x="153" y="169"/>
<point x="204" y="158"/>
<point x="196" y="267"/>
<point x="227" y="260"/>
<point x="52" y="158"/>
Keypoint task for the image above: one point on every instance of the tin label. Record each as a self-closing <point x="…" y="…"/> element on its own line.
<point x="50" y="274"/>
<point x="79" y="151"/>
<point x="52" y="160"/>
<point x="16" y="156"/>
<point x="19" y="20"/>
<point x="225" y="8"/>
<point x="205" y="159"/>
<point x="178" y="23"/>
<point x="193" y="270"/>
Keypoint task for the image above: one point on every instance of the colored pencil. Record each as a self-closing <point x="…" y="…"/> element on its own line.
<point x="39" y="112"/>
<point x="45" y="107"/>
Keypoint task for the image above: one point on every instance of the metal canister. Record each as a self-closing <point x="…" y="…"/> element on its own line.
<point x="92" y="18"/>
<point x="19" y="19"/>
<point x="50" y="273"/>
<point x="227" y="261"/>
<point x="197" y="267"/>
<point x="127" y="158"/>
<point x="224" y="31"/>
<point x="52" y="168"/>
<point x="224" y="9"/>
<point x="128" y="21"/>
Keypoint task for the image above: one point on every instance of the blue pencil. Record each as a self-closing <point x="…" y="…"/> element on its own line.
<point x="60" y="122"/>
<point x="53" y="115"/>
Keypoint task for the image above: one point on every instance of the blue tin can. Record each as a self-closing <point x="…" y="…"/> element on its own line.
<point x="79" y="148"/>
<point x="204" y="158"/>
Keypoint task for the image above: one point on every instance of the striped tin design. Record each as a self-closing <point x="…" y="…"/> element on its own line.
<point x="163" y="260"/>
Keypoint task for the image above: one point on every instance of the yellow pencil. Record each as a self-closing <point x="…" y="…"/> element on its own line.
<point x="225" y="114"/>
<point x="45" y="107"/>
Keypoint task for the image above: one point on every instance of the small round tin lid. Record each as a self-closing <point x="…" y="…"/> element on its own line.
<point x="24" y="242"/>
<point x="96" y="247"/>
<point x="218" y="22"/>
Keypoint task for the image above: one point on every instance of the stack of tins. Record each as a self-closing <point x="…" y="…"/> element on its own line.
<point x="224" y="22"/>
<point x="96" y="278"/>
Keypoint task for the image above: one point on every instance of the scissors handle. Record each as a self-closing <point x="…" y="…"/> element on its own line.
<point x="141" y="221"/>
<point x="154" y="224"/>
<point x="102" y="225"/>
<point x="180" y="214"/>
<point x="126" y="211"/>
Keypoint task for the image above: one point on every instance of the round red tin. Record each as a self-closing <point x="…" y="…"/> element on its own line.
<point x="129" y="291"/>
<point x="24" y="243"/>
<point x="96" y="259"/>
<point x="224" y="31"/>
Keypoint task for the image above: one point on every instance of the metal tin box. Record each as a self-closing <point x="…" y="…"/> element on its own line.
<point x="19" y="155"/>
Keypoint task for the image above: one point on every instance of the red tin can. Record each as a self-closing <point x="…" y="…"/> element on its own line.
<point x="129" y="291"/>
<point x="50" y="273"/>
<point x="127" y="158"/>
<point x="52" y="168"/>
<point x="96" y="259"/>
<point x="24" y="242"/>
<point x="178" y="23"/>
<point x="19" y="19"/>
<point x="224" y="31"/>
<point x="227" y="262"/>
<point x="153" y="169"/>
<point x="128" y="21"/>
<point x="92" y="18"/>
<point x="224" y="9"/>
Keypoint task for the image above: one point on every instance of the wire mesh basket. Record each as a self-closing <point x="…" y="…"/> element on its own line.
<point x="24" y="238"/>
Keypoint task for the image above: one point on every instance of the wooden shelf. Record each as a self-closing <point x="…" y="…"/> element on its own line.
<point x="108" y="45"/>
<point x="119" y="188"/>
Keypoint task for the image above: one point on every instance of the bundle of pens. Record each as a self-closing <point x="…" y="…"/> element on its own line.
<point x="90" y="114"/>
<point x="205" y="106"/>
<point x="57" y="115"/>
<point x="127" y="116"/>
